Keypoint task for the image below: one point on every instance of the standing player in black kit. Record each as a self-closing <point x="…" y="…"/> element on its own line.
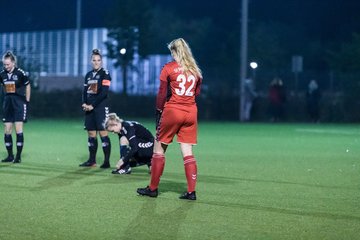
<point x="17" y="96"/>
<point x="95" y="105"/>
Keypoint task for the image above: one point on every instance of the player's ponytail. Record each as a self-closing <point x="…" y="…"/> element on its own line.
<point x="96" y="52"/>
<point x="181" y="49"/>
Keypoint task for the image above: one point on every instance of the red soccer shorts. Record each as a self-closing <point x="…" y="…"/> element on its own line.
<point x="180" y="122"/>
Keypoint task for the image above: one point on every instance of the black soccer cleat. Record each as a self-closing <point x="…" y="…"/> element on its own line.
<point x="8" y="159"/>
<point x="188" y="196"/>
<point x="105" y="165"/>
<point x="147" y="192"/>
<point x="17" y="160"/>
<point x="126" y="170"/>
<point x="88" y="163"/>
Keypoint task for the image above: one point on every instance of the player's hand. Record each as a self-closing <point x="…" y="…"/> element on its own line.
<point x="119" y="164"/>
<point x="87" y="108"/>
<point x="90" y="107"/>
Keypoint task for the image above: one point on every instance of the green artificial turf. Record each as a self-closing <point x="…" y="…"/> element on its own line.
<point x="255" y="181"/>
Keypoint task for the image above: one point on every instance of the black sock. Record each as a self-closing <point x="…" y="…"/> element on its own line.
<point x="123" y="150"/>
<point x="9" y="144"/>
<point x="106" y="145"/>
<point x="19" y="144"/>
<point x="93" y="145"/>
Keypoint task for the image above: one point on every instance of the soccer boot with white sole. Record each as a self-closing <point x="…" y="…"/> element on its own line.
<point x="125" y="170"/>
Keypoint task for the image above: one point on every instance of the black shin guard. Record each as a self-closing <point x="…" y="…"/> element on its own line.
<point x="93" y="145"/>
<point x="19" y="144"/>
<point x="106" y="145"/>
<point x="9" y="144"/>
<point x="124" y="149"/>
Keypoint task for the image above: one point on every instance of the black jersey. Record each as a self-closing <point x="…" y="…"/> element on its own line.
<point x="96" y="87"/>
<point x="15" y="82"/>
<point x="138" y="137"/>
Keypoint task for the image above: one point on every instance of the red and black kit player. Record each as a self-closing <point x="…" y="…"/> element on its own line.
<point x="176" y="115"/>
<point x="17" y="90"/>
<point x="136" y="143"/>
<point x="96" y="107"/>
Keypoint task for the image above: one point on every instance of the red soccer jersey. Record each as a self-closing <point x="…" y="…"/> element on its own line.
<point x="184" y="87"/>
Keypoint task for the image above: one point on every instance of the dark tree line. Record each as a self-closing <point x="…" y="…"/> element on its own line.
<point x="326" y="33"/>
<point x="278" y="30"/>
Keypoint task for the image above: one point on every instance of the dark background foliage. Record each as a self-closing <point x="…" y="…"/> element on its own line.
<point x="324" y="32"/>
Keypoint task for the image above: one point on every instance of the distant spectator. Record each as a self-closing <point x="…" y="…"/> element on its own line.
<point x="250" y="95"/>
<point x="277" y="98"/>
<point x="313" y="96"/>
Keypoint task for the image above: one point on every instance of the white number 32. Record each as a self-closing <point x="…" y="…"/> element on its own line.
<point x="182" y="88"/>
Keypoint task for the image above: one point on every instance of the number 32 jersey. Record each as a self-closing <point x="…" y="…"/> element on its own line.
<point x="181" y="88"/>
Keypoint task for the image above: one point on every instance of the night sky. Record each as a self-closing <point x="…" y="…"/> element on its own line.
<point x="322" y="19"/>
<point x="24" y="15"/>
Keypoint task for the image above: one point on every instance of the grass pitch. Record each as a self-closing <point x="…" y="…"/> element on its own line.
<point x="256" y="181"/>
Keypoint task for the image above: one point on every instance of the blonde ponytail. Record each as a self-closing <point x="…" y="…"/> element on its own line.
<point x="180" y="48"/>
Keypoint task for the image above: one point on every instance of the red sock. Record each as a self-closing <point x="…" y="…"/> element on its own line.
<point x="157" y="168"/>
<point x="190" y="172"/>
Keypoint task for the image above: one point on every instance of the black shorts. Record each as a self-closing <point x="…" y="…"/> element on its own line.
<point x="145" y="152"/>
<point x="95" y="119"/>
<point x="15" y="109"/>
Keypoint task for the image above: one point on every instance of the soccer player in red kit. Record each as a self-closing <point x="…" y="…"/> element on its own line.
<point x="176" y="115"/>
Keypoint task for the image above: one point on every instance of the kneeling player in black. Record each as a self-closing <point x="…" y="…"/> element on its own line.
<point x="17" y="96"/>
<point x="95" y="105"/>
<point x="136" y="143"/>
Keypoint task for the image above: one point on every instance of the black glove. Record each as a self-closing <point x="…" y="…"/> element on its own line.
<point x="158" y="117"/>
